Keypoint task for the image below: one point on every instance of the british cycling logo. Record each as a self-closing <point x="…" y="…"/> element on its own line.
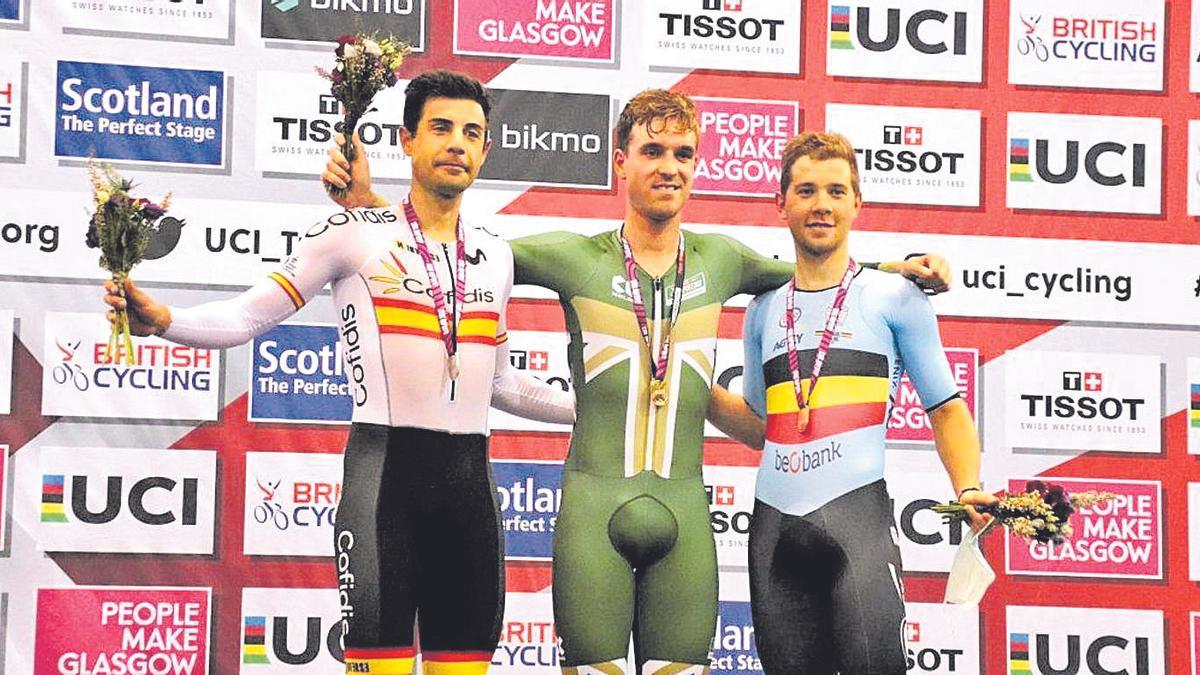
<point x="1044" y="37"/>
<point x="141" y="114"/>
<point x="291" y="502"/>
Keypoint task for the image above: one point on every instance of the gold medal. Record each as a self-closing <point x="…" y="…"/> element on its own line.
<point x="452" y="366"/>
<point x="802" y="419"/>
<point x="658" y="393"/>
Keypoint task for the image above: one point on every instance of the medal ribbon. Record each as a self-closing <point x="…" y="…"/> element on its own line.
<point x="831" y="325"/>
<point x="659" y="363"/>
<point x="447" y="325"/>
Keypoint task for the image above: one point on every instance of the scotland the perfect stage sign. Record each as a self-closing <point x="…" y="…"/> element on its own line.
<point x="297" y="374"/>
<point x="140" y="114"/>
<point x="530" y="494"/>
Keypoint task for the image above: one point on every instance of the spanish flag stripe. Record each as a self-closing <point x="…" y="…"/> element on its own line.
<point x="477" y="340"/>
<point x="456" y="656"/>
<point x="286" y="285"/>
<point x="395" y="316"/>
<point x="824" y="422"/>
<point x="831" y="391"/>
<point x="401" y="304"/>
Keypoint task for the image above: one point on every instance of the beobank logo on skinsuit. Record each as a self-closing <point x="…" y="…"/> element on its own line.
<point x="299" y="373"/>
<point x="530" y="494"/>
<point x="1077" y="640"/>
<point x="117" y="500"/>
<point x="1080" y="401"/>
<point x="741" y="145"/>
<point x="909" y="421"/>
<point x="141" y="114"/>
<point x="938" y="40"/>
<point x="528" y="642"/>
<point x="1084" y="163"/>
<point x="744" y="35"/>
<point x="290" y="630"/>
<point x="567" y="30"/>
<point x="114" y="630"/>
<point x="734" y="651"/>
<point x="942" y="638"/>
<point x="1121" y="539"/>
<point x="1103" y="44"/>
<point x="731" y="505"/>
<point x="291" y="502"/>
<point x="82" y="378"/>
<point x="912" y="155"/>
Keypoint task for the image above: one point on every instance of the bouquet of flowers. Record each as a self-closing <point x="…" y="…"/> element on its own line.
<point x="366" y="65"/>
<point x="1041" y="513"/>
<point x="120" y="226"/>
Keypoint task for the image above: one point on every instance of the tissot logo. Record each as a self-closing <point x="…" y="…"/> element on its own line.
<point x="730" y="504"/>
<point x="325" y="20"/>
<point x="942" y="638"/>
<point x="1084" y="163"/>
<point x="126" y="501"/>
<point x="1073" y="641"/>
<point x="912" y="155"/>
<point x="1083" y="401"/>
<point x="755" y="35"/>
<point x="882" y="38"/>
<point x="1104" y="44"/>
<point x="529" y="359"/>
<point x="207" y="19"/>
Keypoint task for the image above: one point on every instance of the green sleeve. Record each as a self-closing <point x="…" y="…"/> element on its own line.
<point x="552" y="260"/>
<point x="760" y="274"/>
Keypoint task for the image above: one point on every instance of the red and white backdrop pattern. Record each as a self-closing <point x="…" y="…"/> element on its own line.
<point x="175" y="516"/>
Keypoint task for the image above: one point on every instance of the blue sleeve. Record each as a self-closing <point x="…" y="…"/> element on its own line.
<point x="753" y="389"/>
<point x="914" y="327"/>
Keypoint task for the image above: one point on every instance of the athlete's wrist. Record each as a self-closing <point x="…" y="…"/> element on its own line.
<point x="971" y="488"/>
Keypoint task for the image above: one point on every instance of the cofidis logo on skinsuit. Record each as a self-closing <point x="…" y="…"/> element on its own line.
<point x="551" y="29"/>
<point x="117" y="500"/>
<point x="291" y="502"/>
<point x="122" y="630"/>
<point x="1076" y="640"/>
<point x="1105" y="44"/>
<point x="1084" y="163"/>
<point x="930" y="40"/>
<point x="741" y="144"/>
<point x="290" y="630"/>
<point x="298" y="374"/>
<point x="530" y="494"/>
<point x="747" y="35"/>
<point x="1078" y="401"/>
<point x="1122" y="538"/>
<point x="912" y="155"/>
<point x="166" y="381"/>
<point x="141" y="114"/>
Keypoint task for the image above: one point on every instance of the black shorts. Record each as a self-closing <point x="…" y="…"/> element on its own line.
<point x="418" y="534"/>
<point x="825" y="588"/>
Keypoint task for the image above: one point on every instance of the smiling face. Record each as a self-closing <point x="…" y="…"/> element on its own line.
<point x="820" y="205"/>
<point x="449" y="145"/>
<point x="658" y="168"/>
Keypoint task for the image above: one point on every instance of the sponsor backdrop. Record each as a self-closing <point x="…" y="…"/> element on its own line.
<point x="176" y="514"/>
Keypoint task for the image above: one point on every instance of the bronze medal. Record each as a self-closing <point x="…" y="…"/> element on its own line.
<point x="802" y="419"/>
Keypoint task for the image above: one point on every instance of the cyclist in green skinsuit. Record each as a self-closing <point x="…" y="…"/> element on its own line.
<point x="633" y="544"/>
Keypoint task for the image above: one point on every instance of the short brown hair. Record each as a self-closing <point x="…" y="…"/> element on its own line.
<point x="653" y="105"/>
<point x="818" y="145"/>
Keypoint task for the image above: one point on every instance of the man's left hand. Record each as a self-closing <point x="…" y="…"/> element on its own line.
<point x="930" y="271"/>
<point x="972" y="498"/>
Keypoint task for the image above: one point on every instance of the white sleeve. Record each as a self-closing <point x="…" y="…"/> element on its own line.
<point x="523" y="395"/>
<point x="324" y="254"/>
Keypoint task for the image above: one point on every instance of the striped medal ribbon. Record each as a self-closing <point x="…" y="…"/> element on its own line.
<point x="447" y="325"/>
<point x="658" y="363"/>
<point x="793" y="342"/>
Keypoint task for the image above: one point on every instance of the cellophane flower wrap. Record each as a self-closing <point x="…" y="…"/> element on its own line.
<point x="121" y="226"/>
<point x="1041" y="513"/>
<point x="365" y="65"/>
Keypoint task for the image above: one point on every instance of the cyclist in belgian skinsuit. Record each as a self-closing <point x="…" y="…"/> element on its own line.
<point x="825" y="572"/>
<point x="633" y="545"/>
<point x="418" y="529"/>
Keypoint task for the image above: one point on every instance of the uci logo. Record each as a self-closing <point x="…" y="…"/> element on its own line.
<point x="850" y="26"/>
<point x="1072" y="656"/>
<point x="1058" y="163"/>
<point x="115" y="497"/>
<point x="310" y="647"/>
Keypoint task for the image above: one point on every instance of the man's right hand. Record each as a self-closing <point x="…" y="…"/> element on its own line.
<point x="340" y="172"/>
<point x="146" y="317"/>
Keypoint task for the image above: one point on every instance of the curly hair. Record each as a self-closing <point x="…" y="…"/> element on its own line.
<point x="657" y="108"/>
<point x="818" y="145"/>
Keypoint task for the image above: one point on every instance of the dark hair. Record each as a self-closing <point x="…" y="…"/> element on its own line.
<point x="657" y="109"/>
<point x="819" y="146"/>
<point x="440" y="84"/>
